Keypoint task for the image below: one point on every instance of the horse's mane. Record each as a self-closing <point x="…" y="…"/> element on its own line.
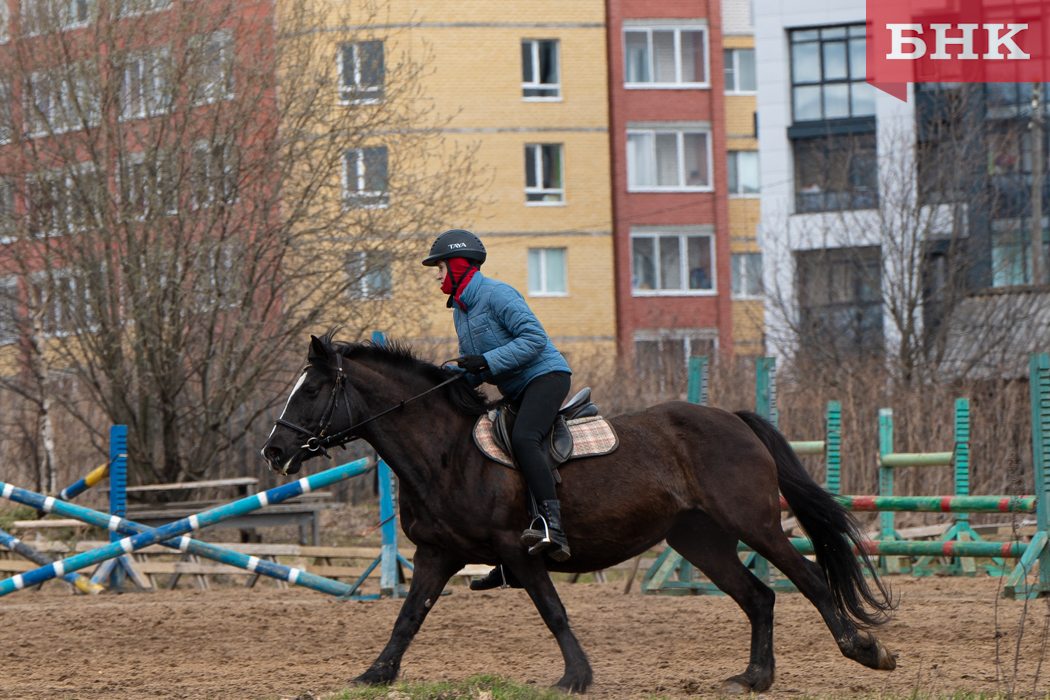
<point x="464" y="398"/>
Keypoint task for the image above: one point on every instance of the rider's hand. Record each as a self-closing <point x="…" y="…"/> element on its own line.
<point x="474" y="364"/>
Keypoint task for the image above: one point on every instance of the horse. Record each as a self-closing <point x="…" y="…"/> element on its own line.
<point x="699" y="477"/>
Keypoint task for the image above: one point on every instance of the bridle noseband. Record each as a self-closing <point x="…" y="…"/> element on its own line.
<point x="319" y="441"/>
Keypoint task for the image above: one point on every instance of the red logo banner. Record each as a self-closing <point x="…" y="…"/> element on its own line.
<point x="956" y="41"/>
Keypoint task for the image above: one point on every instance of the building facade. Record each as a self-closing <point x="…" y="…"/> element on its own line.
<point x="525" y="85"/>
<point x="743" y="182"/>
<point x="890" y="226"/>
<point x="667" y="131"/>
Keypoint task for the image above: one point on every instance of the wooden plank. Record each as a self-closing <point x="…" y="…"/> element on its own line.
<point x="43" y="524"/>
<point x="17" y="566"/>
<point x="344" y="571"/>
<point x="352" y="552"/>
<point x="190" y="485"/>
<point x="474" y="570"/>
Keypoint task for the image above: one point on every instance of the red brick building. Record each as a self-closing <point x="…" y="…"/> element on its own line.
<point x="670" y="204"/>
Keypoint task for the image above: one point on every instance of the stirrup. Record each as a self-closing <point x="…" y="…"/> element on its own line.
<point x="536" y="540"/>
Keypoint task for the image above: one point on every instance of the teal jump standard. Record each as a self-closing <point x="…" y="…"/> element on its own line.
<point x="179" y="527"/>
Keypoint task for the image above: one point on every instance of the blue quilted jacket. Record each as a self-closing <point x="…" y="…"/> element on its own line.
<point x="500" y="325"/>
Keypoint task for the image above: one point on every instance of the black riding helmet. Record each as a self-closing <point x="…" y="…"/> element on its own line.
<point x="457" y="243"/>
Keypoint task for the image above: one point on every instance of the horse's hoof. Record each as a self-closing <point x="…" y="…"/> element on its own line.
<point x="575" y="684"/>
<point x="737" y="685"/>
<point x="887" y="661"/>
<point x="371" y="677"/>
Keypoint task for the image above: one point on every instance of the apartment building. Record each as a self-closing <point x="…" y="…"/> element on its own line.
<point x="526" y="84"/>
<point x="743" y="182"/>
<point x="669" y="181"/>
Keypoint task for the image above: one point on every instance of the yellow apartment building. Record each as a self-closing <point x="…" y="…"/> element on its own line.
<point x="526" y="83"/>
<point x="738" y="41"/>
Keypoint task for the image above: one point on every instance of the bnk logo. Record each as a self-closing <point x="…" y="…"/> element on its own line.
<point x="969" y="41"/>
<point x="996" y="41"/>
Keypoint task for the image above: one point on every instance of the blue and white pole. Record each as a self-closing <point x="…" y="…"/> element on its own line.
<point x="184" y="544"/>
<point x="17" y="546"/>
<point x="173" y="530"/>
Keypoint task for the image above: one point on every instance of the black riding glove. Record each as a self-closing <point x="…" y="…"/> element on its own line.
<point x="474" y="364"/>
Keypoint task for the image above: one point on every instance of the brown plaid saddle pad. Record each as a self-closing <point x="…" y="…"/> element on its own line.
<point x="591" y="436"/>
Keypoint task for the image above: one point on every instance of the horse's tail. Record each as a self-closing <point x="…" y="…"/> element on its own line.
<point x="833" y="530"/>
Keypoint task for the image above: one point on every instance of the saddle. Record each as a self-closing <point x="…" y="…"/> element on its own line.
<point x="578" y="431"/>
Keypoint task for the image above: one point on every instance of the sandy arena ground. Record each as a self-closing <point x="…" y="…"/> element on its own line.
<point x="265" y="643"/>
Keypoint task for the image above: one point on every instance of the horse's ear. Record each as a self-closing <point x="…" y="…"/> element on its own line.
<point x="318" y="349"/>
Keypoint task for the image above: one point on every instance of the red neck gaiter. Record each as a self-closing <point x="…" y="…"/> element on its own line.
<point x="460" y="270"/>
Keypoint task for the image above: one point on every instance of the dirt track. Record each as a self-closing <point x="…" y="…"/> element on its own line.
<point x="261" y="643"/>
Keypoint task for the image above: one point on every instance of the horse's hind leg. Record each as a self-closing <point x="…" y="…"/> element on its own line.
<point x="698" y="538"/>
<point x="859" y="645"/>
<point x="532" y="574"/>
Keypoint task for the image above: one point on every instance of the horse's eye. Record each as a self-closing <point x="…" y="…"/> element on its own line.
<point x="311" y="393"/>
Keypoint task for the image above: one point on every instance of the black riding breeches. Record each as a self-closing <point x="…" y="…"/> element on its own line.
<point x="540" y="401"/>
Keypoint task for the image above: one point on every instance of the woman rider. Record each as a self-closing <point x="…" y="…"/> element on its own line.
<point x="501" y="342"/>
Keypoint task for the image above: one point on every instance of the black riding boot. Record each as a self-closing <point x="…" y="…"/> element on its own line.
<point x="551" y="538"/>
<point x="500" y="577"/>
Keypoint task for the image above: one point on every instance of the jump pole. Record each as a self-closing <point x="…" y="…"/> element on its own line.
<point x="250" y="564"/>
<point x="81" y="583"/>
<point x="179" y="527"/>
<point x="78" y="487"/>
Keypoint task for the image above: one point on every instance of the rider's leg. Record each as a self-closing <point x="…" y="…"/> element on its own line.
<point x="539" y="406"/>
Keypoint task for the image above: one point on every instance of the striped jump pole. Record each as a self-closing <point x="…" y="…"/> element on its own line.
<point x="126" y="527"/>
<point x="78" y="487"/>
<point x="180" y="527"/>
<point x="82" y="583"/>
<point x="936" y="504"/>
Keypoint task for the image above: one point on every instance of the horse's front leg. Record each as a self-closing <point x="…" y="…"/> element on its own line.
<point x="433" y="569"/>
<point x="532" y="573"/>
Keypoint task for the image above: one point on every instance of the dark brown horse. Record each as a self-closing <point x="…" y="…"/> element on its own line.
<point x="699" y="477"/>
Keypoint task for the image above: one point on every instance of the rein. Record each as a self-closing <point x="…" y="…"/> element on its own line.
<point x="319" y="442"/>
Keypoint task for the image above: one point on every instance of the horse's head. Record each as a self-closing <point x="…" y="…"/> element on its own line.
<point x="321" y="405"/>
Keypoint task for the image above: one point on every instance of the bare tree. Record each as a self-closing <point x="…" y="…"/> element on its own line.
<point x="189" y="188"/>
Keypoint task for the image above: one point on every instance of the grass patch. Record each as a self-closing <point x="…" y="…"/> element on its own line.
<point x="19" y="512"/>
<point x="475" y="688"/>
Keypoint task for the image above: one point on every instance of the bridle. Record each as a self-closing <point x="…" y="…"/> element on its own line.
<point x="320" y="442"/>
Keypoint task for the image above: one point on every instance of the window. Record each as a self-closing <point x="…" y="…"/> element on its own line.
<point x="65" y="301"/>
<point x="146" y="185"/>
<point x="125" y="8"/>
<point x="662" y="356"/>
<point x="743" y="172"/>
<point x="213" y="175"/>
<point x="827" y="74"/>
<point x="369" y="275"/>
<point x="746" y="271"/>
<point x="143" y="87"/>
<point x="665" y="57"/>
<point x="1012" y="252"/>
<point x="361" y="72"/>
<point x="539" y="70"/>
<point x="668" y="160"/>
<point x="7" y="120"/>
<point x="39" y="16"/>
<point x="740" y="70"/>
<point x="672" y="264"/>
<point x="543" y="173"/>
<point x="10" y="300"/>
<point x="7" y="207"/>
<point x="61" y="99"/>
<point x="214" y="69"/>
<point x="840" y="299"/>
<point x="547" y="272"/>
<point x="62" y="200"/>
<point x="835" y="173"/>
<point x="365" y="178"/>
<point x="5" y="22"/>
